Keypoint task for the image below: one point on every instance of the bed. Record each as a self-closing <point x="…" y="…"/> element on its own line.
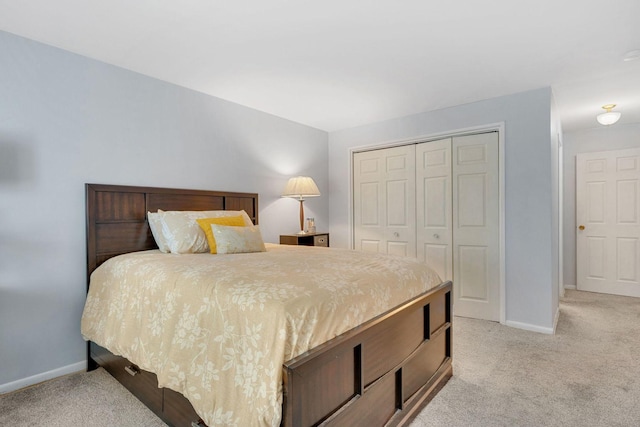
<point x="377" y="373"/>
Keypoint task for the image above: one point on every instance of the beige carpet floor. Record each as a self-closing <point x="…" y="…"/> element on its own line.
<point x="588" y="374"/>
<point x="88" y="399"/>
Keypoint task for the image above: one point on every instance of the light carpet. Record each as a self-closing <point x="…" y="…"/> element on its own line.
<point x="588" y="374"/>
<point x="88" y="399"/>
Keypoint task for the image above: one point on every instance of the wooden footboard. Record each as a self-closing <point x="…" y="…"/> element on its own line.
<point x="378" y="373"/>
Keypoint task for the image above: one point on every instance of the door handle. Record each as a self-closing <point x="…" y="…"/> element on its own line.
<point x="581" y="227"/>
<point x="396" y="234"/>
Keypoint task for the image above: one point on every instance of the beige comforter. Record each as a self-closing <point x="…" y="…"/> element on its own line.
<point x="217" y="328"/>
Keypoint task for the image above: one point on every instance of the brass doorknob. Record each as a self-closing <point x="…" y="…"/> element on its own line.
<point x="581" y="227"/>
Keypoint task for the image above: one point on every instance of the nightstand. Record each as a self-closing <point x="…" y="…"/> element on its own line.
<point x="309" y="239"/>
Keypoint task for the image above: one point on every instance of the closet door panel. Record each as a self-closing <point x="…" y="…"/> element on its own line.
<point x="473" y="280"/>
<point x="476" y="253"/>
<point x="433" y="206"/>
<point x="398" y="248"/>
<point x="397" y="203"/>
<point x="368" y="215"/>
<point x="439" y="257"/>
<point x="369" y="200"/>
<point x="400" y="202"/>
<point x="369" y="245"/>
<point x="437" y="192"/>
<point x="384" y="201"/>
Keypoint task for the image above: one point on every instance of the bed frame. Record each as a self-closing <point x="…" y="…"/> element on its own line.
<point x="378" y="374"/>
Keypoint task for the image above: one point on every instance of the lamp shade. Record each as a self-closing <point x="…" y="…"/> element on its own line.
<point x="301" y="187"/>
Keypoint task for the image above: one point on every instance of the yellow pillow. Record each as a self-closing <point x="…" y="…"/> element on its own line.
<point x="205" y="224"/>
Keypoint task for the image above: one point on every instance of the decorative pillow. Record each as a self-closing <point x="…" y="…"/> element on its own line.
<point x="155" y="224"/>
<point x="184" y="235"/>
<point x="205" y="225"/>
<point x="235" y="240"/>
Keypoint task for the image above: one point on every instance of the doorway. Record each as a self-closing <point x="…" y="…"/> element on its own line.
<point x="608" y="222"/>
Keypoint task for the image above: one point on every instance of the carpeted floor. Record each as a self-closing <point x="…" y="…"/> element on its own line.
<point x="89" y="399"/>
<point x="588" y="374"/>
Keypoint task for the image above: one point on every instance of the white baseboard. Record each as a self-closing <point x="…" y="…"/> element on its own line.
<point x="570" y="287"/>
<point x="529" y="327"/>
<point x="35" y="379"/>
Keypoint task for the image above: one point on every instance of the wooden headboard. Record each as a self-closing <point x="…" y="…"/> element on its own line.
<point x="117" y="215"/>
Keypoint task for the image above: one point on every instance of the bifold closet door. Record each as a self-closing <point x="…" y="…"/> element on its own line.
<point x="384" y="201"/>
<point x="438" y="201"/>
<point x="433" y="206"/>
<point x="476" y="226"/>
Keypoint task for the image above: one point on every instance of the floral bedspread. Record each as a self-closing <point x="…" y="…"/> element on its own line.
<point x="217" y="328"/>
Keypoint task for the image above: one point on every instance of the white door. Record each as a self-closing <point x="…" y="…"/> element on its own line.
<point x="433" y="206"/>
<point x="607" y="216"/>
<point x="476" y="226"/>
<point x="384" y="201"/>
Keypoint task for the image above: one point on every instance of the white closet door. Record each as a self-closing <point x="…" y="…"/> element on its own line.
<point x="384" y="201"/>
<point x="476" y="226"/>
<point x="433" y="206"/>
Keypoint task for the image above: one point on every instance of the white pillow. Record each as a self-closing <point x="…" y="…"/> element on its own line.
<point x="182" y="233"/>
<point x="155" y="224"/>
<point x="236" y="240"/>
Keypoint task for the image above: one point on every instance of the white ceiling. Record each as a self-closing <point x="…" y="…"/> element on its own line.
<point x="336" y="64"/>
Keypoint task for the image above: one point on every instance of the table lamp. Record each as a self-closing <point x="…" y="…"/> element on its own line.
<point x="300" y="187"/>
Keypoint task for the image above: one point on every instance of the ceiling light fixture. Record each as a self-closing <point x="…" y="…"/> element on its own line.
<point x="610" y="117"/>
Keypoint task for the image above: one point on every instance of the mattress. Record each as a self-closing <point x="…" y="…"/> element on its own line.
<point x="217" y="328"/>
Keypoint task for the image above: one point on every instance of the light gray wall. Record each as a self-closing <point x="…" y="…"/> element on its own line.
<point x="528" y="188"/>
<point x="66" y="120"/>
<point x="600" y="138"/>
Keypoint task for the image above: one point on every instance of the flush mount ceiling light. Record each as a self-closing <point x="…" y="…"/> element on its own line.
<point x="610" y="117"/>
